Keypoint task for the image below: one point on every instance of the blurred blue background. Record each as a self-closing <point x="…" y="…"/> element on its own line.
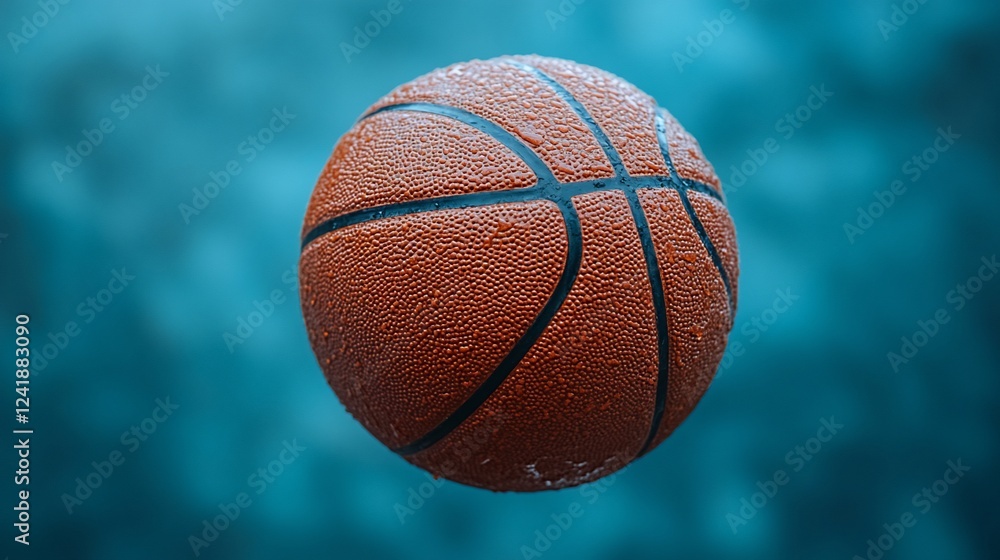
<point x="209" y="74"/>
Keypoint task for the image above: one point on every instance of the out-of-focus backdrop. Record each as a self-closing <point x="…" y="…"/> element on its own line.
<point x="855" y="414"/>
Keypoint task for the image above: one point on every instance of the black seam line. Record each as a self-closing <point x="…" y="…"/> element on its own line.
<point x="660" y="309"/>
<point x="661" y="136"/>
<point x="709" y="246"/>
<point x="609" y="150"/>
<point x="511" y="142"/>
<point x="661" y="139"/>
<point x="648" y="251"/>
<point x="571" y="268"/>
<point x="662" y="384"/>
<point x="557" y="192"/>
<point x="547" y="186"/>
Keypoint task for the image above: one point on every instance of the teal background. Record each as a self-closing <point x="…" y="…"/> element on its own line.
<point x="826" y="355"/>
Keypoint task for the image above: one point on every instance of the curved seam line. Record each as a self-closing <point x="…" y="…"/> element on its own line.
<point x="546" y="182"/>
<point x="709" y="247"/>
<point x="581" y="111"/>
<point x="557" y="192"/>
<point x="649" y="251"/>
<point x="662" y="324"/>
<point x="706" y="241"/>
<point x="661" y="138"/>
<point x="571" y="268"/>
<point x="482" y="124"/>
<point x="660" y="410"/>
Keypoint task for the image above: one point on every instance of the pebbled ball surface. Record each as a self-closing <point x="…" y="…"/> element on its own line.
<point x="441" y="253"/>
<point x="423" y="305"/>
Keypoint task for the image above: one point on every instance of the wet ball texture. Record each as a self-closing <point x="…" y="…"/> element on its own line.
<point x="518" y="273"/>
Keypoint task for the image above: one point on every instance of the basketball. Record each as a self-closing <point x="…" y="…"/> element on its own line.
<point x="518" y="274"/>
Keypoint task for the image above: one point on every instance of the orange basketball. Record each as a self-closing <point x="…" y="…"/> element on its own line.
<point x="518" y="273"/>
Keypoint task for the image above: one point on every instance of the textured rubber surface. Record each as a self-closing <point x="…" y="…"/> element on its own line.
<point x="625" y="114"/>
<point x="469" y="281"/>
<point x="431" y="156"/>
<point x="514" y="99"/>
<point x="697" y="306"/>
<point x="519" y="273"/>
<point x="586" y="389"/>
